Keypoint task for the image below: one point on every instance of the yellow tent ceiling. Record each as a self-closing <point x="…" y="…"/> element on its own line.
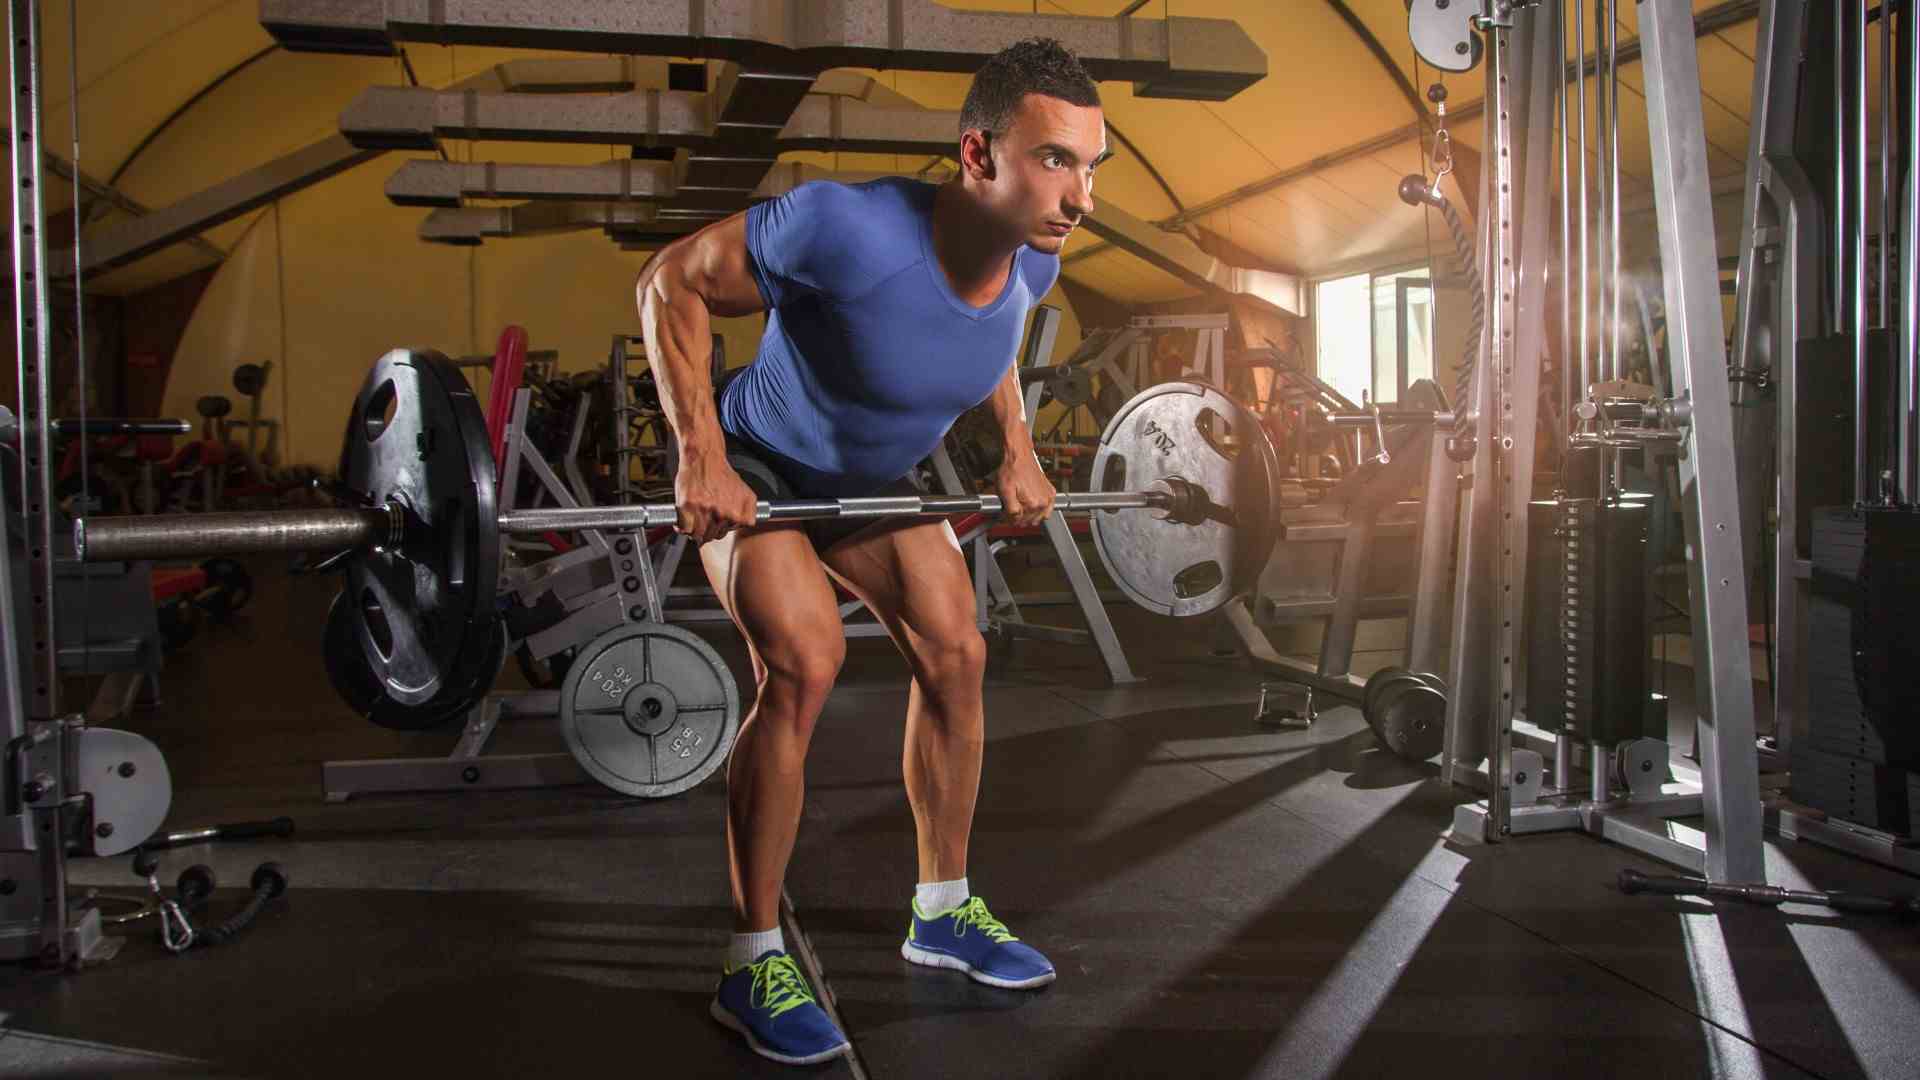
<point x="139" y="63"/>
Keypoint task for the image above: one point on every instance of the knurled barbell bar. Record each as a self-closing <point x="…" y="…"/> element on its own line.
<point x="171" y="536"/>
<point x="422" y="558"/>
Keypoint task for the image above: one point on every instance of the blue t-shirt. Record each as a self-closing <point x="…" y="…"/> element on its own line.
<point x="868" y="354"/>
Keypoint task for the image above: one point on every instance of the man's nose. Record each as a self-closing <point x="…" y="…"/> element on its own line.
<point x="1079" y="199"/>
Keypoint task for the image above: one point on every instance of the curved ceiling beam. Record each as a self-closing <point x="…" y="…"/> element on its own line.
<point x="175" y="115"/>
<point x="1178" y="206"/>
<point x="1381" y="54"/>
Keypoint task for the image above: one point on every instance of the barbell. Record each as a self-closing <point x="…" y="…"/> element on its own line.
<point x="422" y="551"/>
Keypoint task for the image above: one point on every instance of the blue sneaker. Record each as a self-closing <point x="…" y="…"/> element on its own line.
<point x="970" y="939"/>
<point x="769" y="1004"/>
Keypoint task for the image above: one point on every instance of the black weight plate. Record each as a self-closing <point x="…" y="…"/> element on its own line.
<point x="416" y="437"/>
<point x="1372" y="689"/>
<point x="353" y="679"/>
<point x="1374" y="696"/>
<point x="1412" y="719"/>
<point x="649" y="710"/>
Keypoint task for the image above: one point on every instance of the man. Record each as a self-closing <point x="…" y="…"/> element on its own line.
<point x="893" y="307"/>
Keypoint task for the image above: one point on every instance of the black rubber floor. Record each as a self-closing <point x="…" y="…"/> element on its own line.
<point x="1220" y="900"/>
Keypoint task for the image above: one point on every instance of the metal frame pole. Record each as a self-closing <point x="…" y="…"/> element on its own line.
<point x="1856" y="46"/>
<point x="1772" y="314"/>
<point x="1887" y="215"/>
<point x="1566" y="234"/>
<point x="1839" y="210"/>
<point x="1613" y="194"/>
<point x="1909" y="320"/>
<point x="33" y="351"/>
<point x="1499" y="444"/>
<point x="1586" y="304"/>
<point x="1729" y="764"/>
<point x="1602" y="352"/>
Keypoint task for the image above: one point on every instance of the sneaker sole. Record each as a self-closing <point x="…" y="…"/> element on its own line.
<point x="732" y="1023"/>
<point x="917" y="955"/>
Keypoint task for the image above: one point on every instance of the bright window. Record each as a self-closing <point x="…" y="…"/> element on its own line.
<point x="1343" y="334"/>
<point x="1374" y="332"/>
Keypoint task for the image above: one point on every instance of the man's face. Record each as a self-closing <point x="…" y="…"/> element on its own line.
<point x="1043" y="165"/>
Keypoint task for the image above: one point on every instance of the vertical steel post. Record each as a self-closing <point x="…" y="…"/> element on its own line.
<point x="1566" y="234"/>
<point x="35" y="358"/>
<point x="1887" y="215"/>
<point x="1856" y="49"/>
<point x="1839" y="208"/>
<point x="1602" y="15"/>
<point x="31" y="344"/>
<point x="1586" y="303"/>
<point x="1729" y="764"/>
<point x="1497" y="430"/>
<point x="1613" y="193"/>
<point x="1909" y="315"/>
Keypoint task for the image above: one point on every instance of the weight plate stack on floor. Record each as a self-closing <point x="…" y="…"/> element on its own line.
<point x="1407" y="711"/>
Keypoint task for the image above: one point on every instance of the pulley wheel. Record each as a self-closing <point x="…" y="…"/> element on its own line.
<point x="426" y="618"/>
<point x="649" y="709"/>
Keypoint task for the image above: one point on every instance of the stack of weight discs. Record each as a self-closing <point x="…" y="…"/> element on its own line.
<point x="1407" y="711"/>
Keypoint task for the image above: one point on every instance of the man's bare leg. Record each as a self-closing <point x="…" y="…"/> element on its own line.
<point x="916" y="583"/>
<point x="772" y="585"/>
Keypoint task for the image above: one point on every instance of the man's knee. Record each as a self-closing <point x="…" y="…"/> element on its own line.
<point x="801" y="674"/>
<point x="953" y="659"/>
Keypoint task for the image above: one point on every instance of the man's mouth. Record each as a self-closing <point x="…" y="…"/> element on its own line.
<point x="1059" y="228"/>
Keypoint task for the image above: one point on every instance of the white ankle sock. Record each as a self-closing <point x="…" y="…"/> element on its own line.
<point x="744" y="949"/>
<point x="938" y="897"/>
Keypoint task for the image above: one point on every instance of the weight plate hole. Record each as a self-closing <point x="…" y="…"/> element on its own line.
<point x="380" y="409"/>
<point x="1197" y="580"/>
<point x="1217" y="430"/>
<point x="375" y="618"/>
<point x="1115" y="476"/>
<point x="453" y="530"/>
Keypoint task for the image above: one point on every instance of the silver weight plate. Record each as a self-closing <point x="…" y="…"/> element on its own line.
<point x="649" y="710"/>
<point x="130" y="787"/>
<point x="1195" y="433"/>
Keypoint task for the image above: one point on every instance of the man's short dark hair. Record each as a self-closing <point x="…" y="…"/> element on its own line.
<point x="1033" y="66"/>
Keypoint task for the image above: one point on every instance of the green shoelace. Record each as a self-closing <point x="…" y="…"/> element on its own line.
<point x="778" y="986"/>
<point x="974" y="914"/>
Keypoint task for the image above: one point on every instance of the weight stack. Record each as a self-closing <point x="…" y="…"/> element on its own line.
<point x="1863" y="684"/>
<point x="1587" y="644"/>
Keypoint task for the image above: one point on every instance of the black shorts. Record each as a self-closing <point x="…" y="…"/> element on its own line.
<point x="763" y="474"/>
<point x="770" y="482"/>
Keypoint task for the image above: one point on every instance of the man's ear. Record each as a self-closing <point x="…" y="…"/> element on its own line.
<point x="976" y="154"/>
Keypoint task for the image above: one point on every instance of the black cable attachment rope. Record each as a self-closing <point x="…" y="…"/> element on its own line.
<point x="1470" y="269"/>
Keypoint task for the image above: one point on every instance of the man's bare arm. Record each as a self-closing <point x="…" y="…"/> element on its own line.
<point x="678" y="293"/>
<point x="1009" y="411"/>
<point x="1025" y="491"/>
